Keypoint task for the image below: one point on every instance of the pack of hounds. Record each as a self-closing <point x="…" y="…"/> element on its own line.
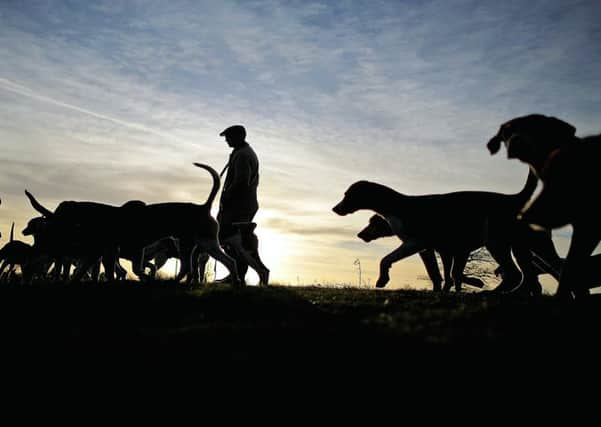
<point x="514" y="228"/>
<point x="85" y="235"/>
<point x="508" y="225"/>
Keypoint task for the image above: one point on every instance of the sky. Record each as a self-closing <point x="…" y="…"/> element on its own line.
<point x="114" y="100"/>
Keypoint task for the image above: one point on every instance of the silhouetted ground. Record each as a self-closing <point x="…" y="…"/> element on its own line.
<point x="290" y="326"/>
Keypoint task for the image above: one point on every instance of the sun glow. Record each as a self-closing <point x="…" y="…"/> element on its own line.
<point x="273" y="249"/>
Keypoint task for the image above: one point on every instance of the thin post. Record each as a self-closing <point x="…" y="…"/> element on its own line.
<point x="357" y="262"/>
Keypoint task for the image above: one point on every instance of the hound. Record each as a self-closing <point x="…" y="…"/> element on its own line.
<point x="97" y="230"/>
<point x="14" y="253"/>
<point x="568" y="167"/>
<point x="378" y="227"/>
<point x="453" y="223"/>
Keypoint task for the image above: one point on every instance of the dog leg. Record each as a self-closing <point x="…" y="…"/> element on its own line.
<point x="186" y="249"/>
<point x="473" y="281"/>
<point x="138" y="267"/>
<point x="82" y="269"/>
<point x="264" y="276"/>
<point x="194" y="273"/>
<point x="109" y="258"/>
<point x="592" y="268"/>
<point x="447" y="263"/>
<point x="159" y="261"/>
<point x="96" y="271"/>
<point x="213" y="249"/>
<point x="593" y="271"/>
<point x="459" y="262"/>
<point x="2" y="268"/>
<point x="57" y="269"/>
<point x="429" y="259"/>
<point x="407" y="249"/>
<point x="201" y="267"/>
<point x="120" y="271"/>
<point x="541" y="244"/>
<point x="27" y="271"/>
<point x="530" y="285"/>
<point x="236" y="243"/>
<point x="9" y="273"/>
<point x="573" y="274"/>
<point x="512" y="276"/>
<point x="152" y="270"/>
<point x="62" y="270"/>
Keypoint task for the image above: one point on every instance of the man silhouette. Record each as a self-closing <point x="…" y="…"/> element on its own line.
<point x="238" y="204"/>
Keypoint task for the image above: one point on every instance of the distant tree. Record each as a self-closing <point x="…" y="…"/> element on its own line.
<point x="482" y="265"/>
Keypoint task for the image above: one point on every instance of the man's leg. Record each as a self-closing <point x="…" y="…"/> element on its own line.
<point x="241" y="264"/>
<point x="245" y="219"/>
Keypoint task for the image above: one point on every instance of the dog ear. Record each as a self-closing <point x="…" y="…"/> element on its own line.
<point x="558" y="129"/>
<point x="494" y="145"/>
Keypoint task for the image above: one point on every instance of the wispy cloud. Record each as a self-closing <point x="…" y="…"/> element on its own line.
<point x="25" y="91"/>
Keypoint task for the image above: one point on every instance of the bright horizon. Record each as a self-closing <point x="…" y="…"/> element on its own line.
<point x="114" y="100"/>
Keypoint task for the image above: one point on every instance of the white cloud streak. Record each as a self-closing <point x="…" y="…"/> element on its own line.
<point x="25" y="91"/>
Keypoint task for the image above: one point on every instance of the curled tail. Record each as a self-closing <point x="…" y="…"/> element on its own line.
<point x="525" y="193"/>
<point x="216" y="183"/>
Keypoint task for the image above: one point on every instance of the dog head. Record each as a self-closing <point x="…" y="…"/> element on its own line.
<point x="378" y="227"/>
<point x="532" y="138"/>
<point x="35" y="226"/>
<point x="354" y="198"/>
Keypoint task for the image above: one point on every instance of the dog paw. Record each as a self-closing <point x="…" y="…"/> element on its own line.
<point x="564" y="296"/>
<point x="536" y="289"/>
<point x="382" y="280"/>
<point x="505" y="287"/>
<point x="264" y="279"/>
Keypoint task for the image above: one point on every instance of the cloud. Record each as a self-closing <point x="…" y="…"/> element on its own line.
<point x="286" y="226"/>
<point x="25" y="91"/>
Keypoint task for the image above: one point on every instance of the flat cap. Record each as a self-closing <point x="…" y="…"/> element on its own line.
<point x="236" y="130"/>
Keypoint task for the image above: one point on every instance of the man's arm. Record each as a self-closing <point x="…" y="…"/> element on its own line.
<point x="240" y="172"/>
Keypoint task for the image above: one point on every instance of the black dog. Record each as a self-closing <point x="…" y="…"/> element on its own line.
<point x="92" y="230"/>
<point x="567" y="166"/>
<point x="453" y="223"/>
<point x="378" y="227"/>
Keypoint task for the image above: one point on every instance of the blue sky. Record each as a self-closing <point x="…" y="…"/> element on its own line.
<point x="113" y="100"/>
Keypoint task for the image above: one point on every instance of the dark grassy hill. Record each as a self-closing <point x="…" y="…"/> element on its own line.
<point x="289" y="325"/>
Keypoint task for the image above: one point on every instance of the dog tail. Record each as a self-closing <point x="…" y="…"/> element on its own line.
<point x="216" y="183"/>
<point x="525" y="193"/>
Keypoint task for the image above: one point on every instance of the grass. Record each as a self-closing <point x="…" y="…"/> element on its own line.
<point x="288" y="325"/>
